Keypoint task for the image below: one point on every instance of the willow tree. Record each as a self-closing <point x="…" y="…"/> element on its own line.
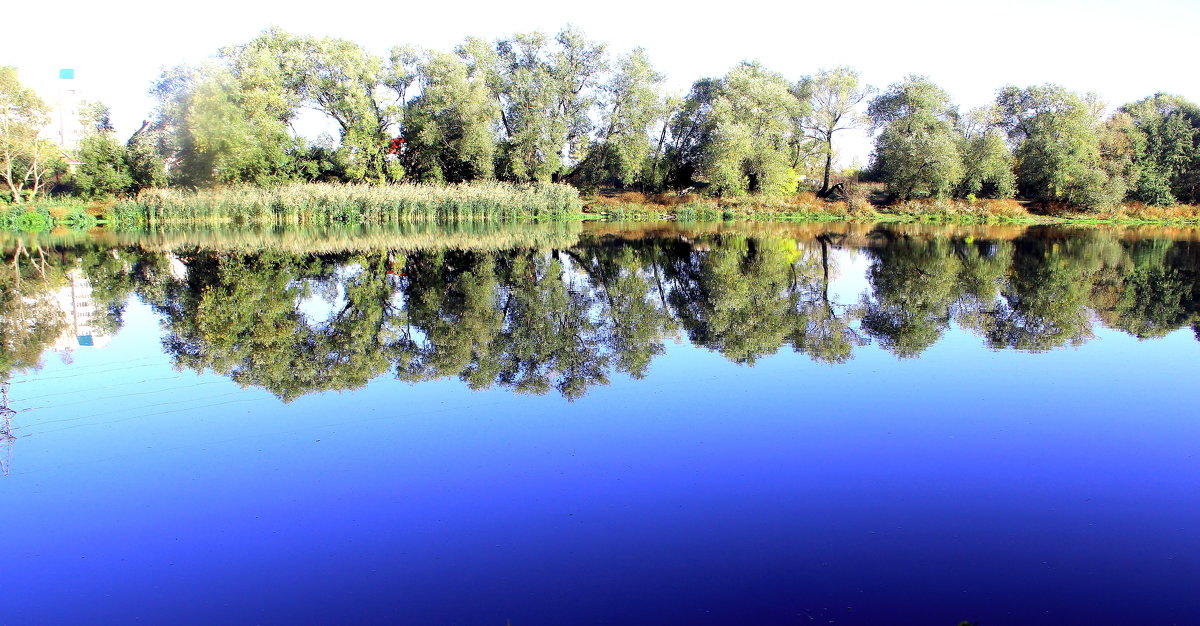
<point x="450" y="127"/>
<point x="363" y="94"/>
<point x="210" y="129"/>
<point x="917" y="152"/>
<point x="630" y="104"/>
<point x="987" y="160"/>
<point x="547" y="93"/>
<point x="833" y="97"/>
<point x="751" y="133"/>
<point x="1057" y="136"/>
<point x="26" y="160"/>
<point x="737" y="132"/>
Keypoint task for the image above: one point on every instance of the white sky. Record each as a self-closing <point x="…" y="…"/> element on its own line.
<point x="1122" y="50"/>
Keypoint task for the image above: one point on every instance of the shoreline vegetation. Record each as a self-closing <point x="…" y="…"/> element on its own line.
<point x="327" y="204"/>
<point x="533" y="126"/>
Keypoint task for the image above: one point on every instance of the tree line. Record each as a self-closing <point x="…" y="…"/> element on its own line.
<point x="562" y="108"/>
<point x="562" y="320"/>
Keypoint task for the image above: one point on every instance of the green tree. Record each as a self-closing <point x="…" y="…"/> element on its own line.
<point x="751" y="133"/>
<point x="147" y="167"/>
<point x="208" y="129"/>
<point x="104" y="167"/>
<point x="450" y="127"/>
<point x="833" y="98"/>
<point x="363" y="94"/>
<point x="27" y="161"/>
<point x="1058" y="147"/>
<point x="737" y="132"/>
<point x="987" y="161"/>
<point x="630" y="105"/>
<point x="235" y="139"/>
<point x="917" y="152"/>
<point x="1168" y="157"/>
<point x="690" y="133"/>
<point x="547" y="94"/>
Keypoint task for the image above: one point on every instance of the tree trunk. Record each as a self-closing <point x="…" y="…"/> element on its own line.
<point x="828" y="166"/>
<point x="657" y="151"/>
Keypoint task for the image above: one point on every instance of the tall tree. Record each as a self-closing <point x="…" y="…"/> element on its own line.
<point x="834" y="97"/>
<point x="450" y="128"/>
<point x="987" y="161"/>
<point x="1168" y="157"/>
<point x="917" y="152"/>
<point x="213" y="128"/>
<point x="630" y="104"/>
<point x="738" y="132"/>
<point x="103" y="169"/>
<point x="751" y="133"/>
<point x="363" y="95"/>
<point x="26" y="160"/>
<point x="690" y="132"/>
<point x="1057" y="143"/>
<point x="547" y="93"/>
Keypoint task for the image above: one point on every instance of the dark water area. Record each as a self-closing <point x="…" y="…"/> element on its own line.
<point x="602" y="424"/>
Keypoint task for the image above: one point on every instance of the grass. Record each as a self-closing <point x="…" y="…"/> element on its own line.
<point x="332" y="204"/>
<point x="865" y="205"/>
<point x="44" y="215"/>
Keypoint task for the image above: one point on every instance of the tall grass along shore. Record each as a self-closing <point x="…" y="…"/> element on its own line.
<point x="334" y="203"/>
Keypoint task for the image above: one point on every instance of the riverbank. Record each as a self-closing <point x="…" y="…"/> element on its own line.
<point x="332" y="204"/>
<point x="806" y="206"/>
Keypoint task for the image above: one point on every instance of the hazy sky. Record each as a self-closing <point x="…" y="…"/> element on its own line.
<point x="1122" y="50"/>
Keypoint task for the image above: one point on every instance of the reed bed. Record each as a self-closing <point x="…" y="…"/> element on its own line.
<point x="356" y="204"/>
<point x="958" y="210"/>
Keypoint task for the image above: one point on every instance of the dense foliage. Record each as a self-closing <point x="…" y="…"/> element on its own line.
<point x="534" y="108"/>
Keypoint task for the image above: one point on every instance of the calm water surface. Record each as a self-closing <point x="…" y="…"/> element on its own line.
<point x="565" y="424"/>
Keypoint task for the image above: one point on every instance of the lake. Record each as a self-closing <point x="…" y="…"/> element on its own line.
<point x="729" y="423"/>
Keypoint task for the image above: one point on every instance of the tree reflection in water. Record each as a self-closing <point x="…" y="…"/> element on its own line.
<point x="564" y="317"/>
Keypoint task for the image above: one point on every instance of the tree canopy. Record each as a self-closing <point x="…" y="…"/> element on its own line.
<point x="535" y="107"/>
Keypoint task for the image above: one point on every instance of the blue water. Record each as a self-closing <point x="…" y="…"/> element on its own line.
<point x="999" y="487"/>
